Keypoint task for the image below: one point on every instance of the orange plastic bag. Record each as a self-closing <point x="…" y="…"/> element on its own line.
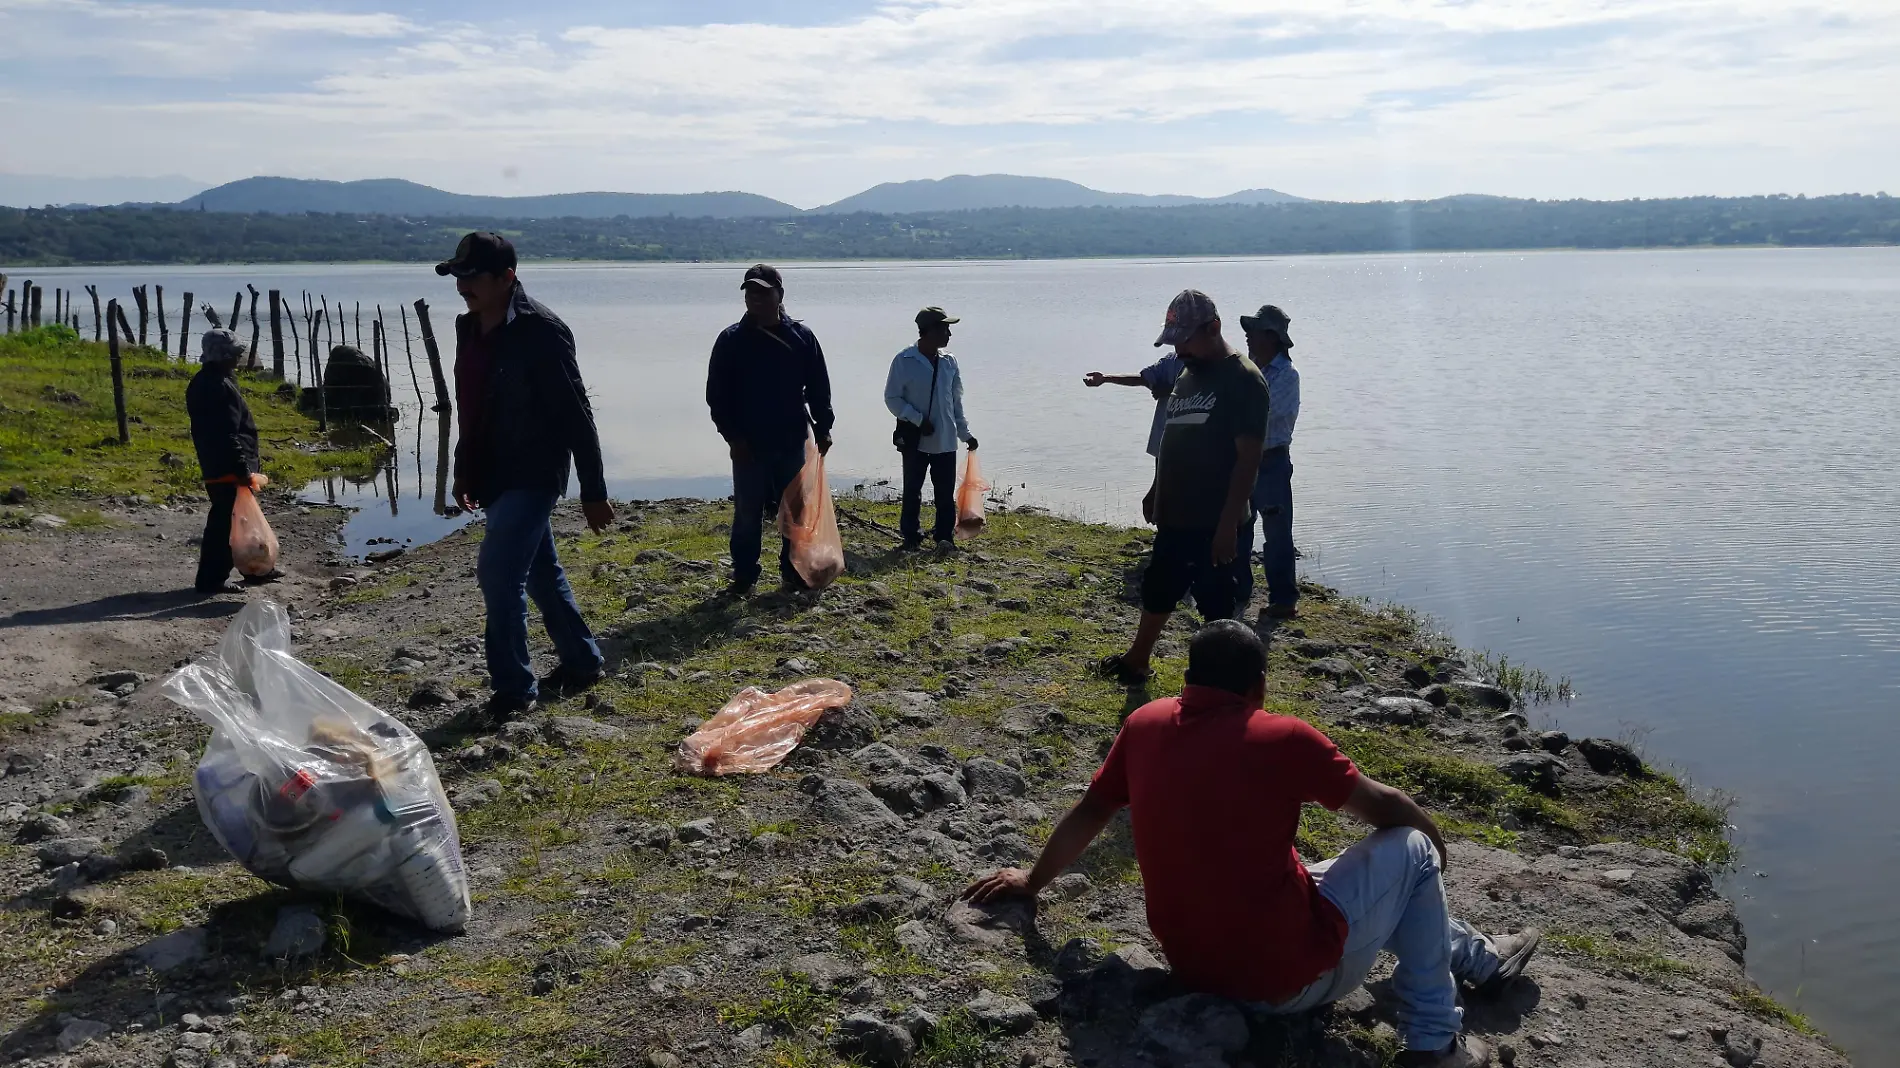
<point x="253" y="543"/>
<point x="807" y="520"/>
<point x="970" y="498"/>
<point x="756" y="729"/>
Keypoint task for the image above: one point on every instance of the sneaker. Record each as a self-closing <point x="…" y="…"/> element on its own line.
<point x="1113" y="667"/>
<point x="1280" y="611"/>
<point x="1464" y="1052"/>
<point x="911" y="545"/>
<point x="1514" y="952"/>
<point x="739" y="591"/>
<point x="945" y="545"/>
<point x="502" y="708"/>
<point x="564" y="682"/>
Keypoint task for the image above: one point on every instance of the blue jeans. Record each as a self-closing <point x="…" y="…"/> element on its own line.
<point x="1389" y="889"/>
<point x="517" y="561"/>
<point x="1273" y="503"/>
<point x="758" y="485"/>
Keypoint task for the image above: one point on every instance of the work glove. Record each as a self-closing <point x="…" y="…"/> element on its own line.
<point x="971" y="443"/>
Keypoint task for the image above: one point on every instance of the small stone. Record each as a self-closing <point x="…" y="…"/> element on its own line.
<point x="662" y="1059"/>
<point x="433" y="693"/>
<point x="916" y="938"/>
<point x="1553" y="741"/>
<point x="1071" y="886"/>
<point x="1617" y="877"/>
<point x="673" y="979"/>
<point x="919" y="1022"/>
<point x="145" y="858"/>
<point x="46" y="522"/>
<point x="107" y="928"/>
<point x="1540" y="1040"/>
<point x="1679" y="1034"/>
<point x="1507" y="1054"/>
<point x="997" y="1012"/>
<point x="182" y="947"/>
<point x="865" y="991"/>
<point x="1606" y="757"/>
<point x="79" y="1032"/>
<point x="299" y="933"/>
<point x="985" y="778"/>
<point x="42" y="825"/>
<point x="197" y="1040"/>
<point x="799" y="665"/>
<point x="699" y="830"/>
<point x="865" y="1037"/>
<point x="60" y="852"/>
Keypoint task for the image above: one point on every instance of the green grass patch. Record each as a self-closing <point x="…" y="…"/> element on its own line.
<point x="1644" y="962"/>
<point x="1757" y="1003"/>
<point x="59" y="434"/>
<point x="788" y="1004"/>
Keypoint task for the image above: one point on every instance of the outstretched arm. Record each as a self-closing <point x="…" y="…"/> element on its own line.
<point x="1097" y="378"/>
<point x="1382" y="806"/>
<point x="1065" y="845"/>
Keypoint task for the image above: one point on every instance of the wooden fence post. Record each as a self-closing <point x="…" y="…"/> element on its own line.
<point x="389" y="359"/>
<point x="57" y="318"/>
<point x="409" y="351"/>
<point x="98" y="321"/>
<point x="164" y="328"/>
<point x="276" y="338"/>
<point x="125" y="325"/>
<point x="329" y="325"/>
<point x="442" y="402"/>
<point x="323" y="389"/>
<point x="118" y="375"/>
<point x="9" y="295"/>
<point x="359" y="324"/>
<point x="254" y="330"/>
<point x="9" y="311"/>
<point x="184" y="330"/>
<point x="237" y="309"/>
<point x="26" y="305"/>
<point x="145" y="312"/>
<point x="376" y="352"/>
<point x="39" y="293"/>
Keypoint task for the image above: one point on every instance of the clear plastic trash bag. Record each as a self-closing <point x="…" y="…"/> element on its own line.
<point x="314" y="788"/>
<point x="970" y="498"/>
<point x="756" y="730"/>
<point x="808" y="520"/>
<point x="253" y="542"/>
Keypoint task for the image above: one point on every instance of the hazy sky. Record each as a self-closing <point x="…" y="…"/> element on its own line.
<point x="812" y="100"/>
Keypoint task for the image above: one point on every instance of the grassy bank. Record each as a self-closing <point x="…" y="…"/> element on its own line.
<point x="59" y="435"/>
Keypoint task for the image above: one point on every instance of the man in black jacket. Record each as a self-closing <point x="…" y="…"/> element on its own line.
<point x="768" y="389"/>
<point x="225" y="437"/>
<point x="524" y="417"/>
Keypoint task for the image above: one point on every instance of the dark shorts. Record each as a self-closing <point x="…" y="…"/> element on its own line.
<point x="1184" y="560"/>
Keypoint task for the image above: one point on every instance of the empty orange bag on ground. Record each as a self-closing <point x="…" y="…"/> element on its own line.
<point x="253" y="543"/>
<point x="756" y="729"/>
<point x="807" y="520"/>
<point x="970" y="498"/>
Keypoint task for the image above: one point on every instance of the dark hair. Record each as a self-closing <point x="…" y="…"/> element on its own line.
<point x="1227" y="655"/>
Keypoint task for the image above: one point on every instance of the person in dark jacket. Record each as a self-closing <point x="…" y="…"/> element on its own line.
<point x="225" y="437"/>
<point x="524" y="418"/>
<point x="768" y="390"/>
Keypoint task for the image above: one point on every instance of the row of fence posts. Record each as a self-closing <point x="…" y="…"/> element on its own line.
<point x="25" y="308"/>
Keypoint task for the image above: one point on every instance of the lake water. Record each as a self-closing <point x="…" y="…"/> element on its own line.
<point x="1670" y="476"/>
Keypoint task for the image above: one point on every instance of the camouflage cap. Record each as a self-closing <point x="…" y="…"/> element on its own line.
<point x="1188" y="312"/>
<point x="222" y="346"/>
<point x="1270" y="319"/>
<point x="934" y="316"/>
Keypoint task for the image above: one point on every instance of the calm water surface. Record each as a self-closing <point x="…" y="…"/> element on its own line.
<point x="1669" y="476"/>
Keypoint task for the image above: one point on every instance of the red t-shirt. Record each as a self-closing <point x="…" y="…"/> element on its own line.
<point x="1214" y="788"/>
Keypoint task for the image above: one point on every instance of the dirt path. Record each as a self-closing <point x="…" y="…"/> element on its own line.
<point x="628" y="915"/>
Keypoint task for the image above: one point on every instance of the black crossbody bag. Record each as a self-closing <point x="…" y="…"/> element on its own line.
<point x="908" y="436"/>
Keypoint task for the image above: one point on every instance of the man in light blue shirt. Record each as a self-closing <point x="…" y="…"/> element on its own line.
<point x="925" y="393"/>
<point x="1267" y="345"/>
<point x="1158" y="378"/>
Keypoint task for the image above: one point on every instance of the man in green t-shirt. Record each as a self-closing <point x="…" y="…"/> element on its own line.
<point x="1210" y="452"/>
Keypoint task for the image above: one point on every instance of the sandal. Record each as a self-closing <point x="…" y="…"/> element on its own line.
<point x="1113" y="668"/>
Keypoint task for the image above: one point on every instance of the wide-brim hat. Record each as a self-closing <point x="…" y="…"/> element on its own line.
<point x="1271" y="319"/>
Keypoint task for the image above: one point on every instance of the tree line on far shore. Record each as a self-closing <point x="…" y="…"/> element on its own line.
<point x="56" y="236"/>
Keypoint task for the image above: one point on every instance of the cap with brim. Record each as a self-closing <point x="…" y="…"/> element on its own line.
<point x="1187" y="313"/>
<point x="482" y="252"/>
<point x="222" y="346"/>
<point x="1271" y="319"/>
<point x="762" y="276"/>
<point x="935" y="316"/>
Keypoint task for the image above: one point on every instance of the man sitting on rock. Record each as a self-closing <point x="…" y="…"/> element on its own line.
<point x="1214" y="786"/>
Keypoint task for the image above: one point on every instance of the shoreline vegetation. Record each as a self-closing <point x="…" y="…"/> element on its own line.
<point x="627" y="914"/>
<point x="162" y="235"/>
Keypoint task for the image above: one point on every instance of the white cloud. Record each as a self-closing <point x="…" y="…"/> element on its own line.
<point x="1361" y="99"/>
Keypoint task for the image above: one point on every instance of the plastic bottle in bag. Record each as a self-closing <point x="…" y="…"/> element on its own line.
<point x="970" y="498"/>
<point x="253" y="542"/>
<point x="808" y="521"/>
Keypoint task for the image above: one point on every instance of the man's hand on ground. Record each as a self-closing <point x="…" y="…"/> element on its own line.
<point x="1093" y="379"/>
<point x="600" y="515"/>
<point x="741" y="451"/>
<point x="1005" y="882"/>
<point x="824" y="446"/>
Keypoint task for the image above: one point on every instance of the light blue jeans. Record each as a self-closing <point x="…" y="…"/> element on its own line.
<point x="1389" y="889"/>
<point x="517" y="561"/>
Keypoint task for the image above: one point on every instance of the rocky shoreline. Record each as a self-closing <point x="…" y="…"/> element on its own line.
<point x="628" y="915"/>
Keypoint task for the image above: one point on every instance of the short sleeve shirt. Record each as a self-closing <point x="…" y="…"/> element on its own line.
<point x="1214" y="788"/>
<point x="1160" y="375"/>
<point x="1212" y="406"/>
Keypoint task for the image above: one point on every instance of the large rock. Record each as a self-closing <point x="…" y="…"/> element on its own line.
<point x="847" y="728"/>
<point x="1193" y="1030"/>
<point x="1606" y="757"/>
<point x="998" y="1012"/>
<point x="879" y="759"/>
<point x="992" y="924"/>
<point x="1336" y="668"/>
<point x="1481" y="694"/>
<point x="853" y="807"/>
<point x="985" y="778"/>
<point x="873" y="1041"/>
<point x="1120" y="985"/>
<point x="1535" y="771"/>
<point x="183" y="947"/>
<point x="60" y="852"/>
<point x="573" y="730"/>
<point x="1407" y="711"/>
<point x="911" y="793"/>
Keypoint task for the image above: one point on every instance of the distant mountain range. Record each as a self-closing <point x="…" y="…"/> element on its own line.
<point x="970" y="192"/>
<point x="39" y="190"/>
<point x="394" y="196"/>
